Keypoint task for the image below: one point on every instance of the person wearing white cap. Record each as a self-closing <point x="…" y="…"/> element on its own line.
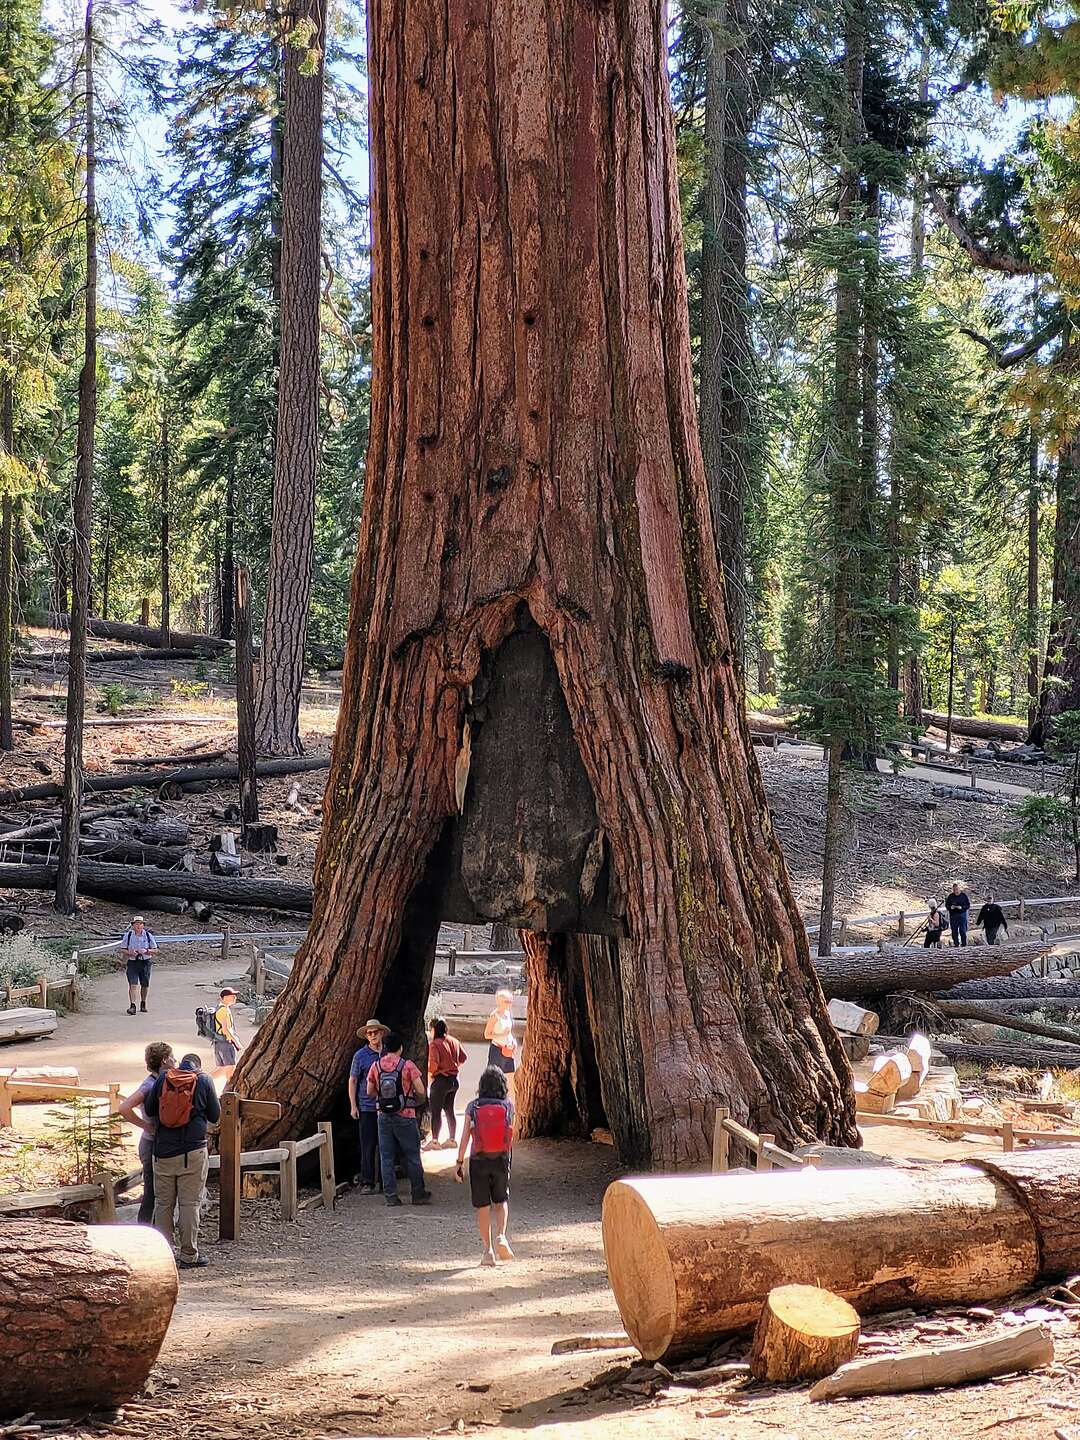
<point x="138" y="948"/>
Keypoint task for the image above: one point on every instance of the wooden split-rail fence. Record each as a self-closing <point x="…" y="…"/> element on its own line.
<point x="13" y="1089"/>
<point x="41" y="992"/>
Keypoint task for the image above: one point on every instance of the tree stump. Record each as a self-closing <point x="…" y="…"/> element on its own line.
<point x="83" y="1312"/>
<point x="804" y="1333"/>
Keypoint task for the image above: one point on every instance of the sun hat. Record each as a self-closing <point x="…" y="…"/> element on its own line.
<point x="374" y="1025"/>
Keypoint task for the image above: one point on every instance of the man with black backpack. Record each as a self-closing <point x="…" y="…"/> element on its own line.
<point x="183" y="1101"/>
<point x="395" y="1084"/>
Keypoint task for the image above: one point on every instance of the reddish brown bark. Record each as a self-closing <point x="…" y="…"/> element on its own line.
<point x="1061" y="674"/>
<point x="537" y="610"/>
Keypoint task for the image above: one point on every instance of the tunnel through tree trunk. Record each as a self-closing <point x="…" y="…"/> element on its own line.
<point x="541" y="720"/>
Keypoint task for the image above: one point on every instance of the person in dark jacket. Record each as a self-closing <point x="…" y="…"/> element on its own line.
<point x="181" y="1160"/>
<point x="992" y="919"/>
<point x="958" y="905"/>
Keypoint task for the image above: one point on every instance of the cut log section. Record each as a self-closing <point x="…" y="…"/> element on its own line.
<point x="83" y="1313"/>
<point x="803" y="1333"/>
<point x="1015" y="987"/>
<point x="1029" y="1348"/>
<point x="691" y="1258"/>
<point x="856" y="1047"/>
<point x="898" y="967"/>
<point x="24" y="1022"/>
<point x="852" y="1018"/>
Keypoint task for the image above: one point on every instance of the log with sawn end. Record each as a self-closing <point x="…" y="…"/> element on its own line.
<point x="186" y="775"/>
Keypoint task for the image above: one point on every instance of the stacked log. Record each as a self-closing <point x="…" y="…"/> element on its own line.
<point x="692" y="1258"/>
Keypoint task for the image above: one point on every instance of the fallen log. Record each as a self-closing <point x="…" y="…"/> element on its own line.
<point x="83" y="1313"/>
<point x="1029" y="1348"/>
<point x="1004" y="1052"/>
<point x="25" y="1022"/>
<point x="150" y="652"/>
<point x="164" y="905"/>
<point x="1020" y="987"/>
<point x="977" y="729"/>
<point x="149" y="761"/>
<point x="34" y="722"/>
<point x="803" y="1333"/>
<point x="148" y="635"/>
<point x="691" y="1258"/>
<point x="899" y="967"/>
<point x="966" y="1010"/>
<point x="185" y="775"/>
<point x="97" y="877"/>
<point x="122" y="852"/>
<point x="851" y="1018"/>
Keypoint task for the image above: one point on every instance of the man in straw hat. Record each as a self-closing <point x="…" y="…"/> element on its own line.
<point x="365" y="1107"/>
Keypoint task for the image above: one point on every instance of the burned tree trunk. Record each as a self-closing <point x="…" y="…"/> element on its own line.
<point x="537" y="611"/>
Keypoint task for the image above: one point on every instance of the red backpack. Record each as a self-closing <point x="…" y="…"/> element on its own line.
<point x="177" y="1099"/>
<point x="492" y="1131"/>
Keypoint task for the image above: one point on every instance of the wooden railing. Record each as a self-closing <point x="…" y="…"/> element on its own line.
<point x="761" y="1149"/>
<point x="1007" y="1132"/>
<point x="12" y="1090"/>
<point x="40" y="991"/>
<point x="101" y="1193"/>
<point x="285" y="1157"/>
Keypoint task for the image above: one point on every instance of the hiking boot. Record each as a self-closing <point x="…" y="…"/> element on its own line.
<point x="199" y="1263"/>
<point x="393" y="1199"/>
<point x="424" y="1198"/>
<point x="131" y="1009"/>
<point x="142" y="1007"/>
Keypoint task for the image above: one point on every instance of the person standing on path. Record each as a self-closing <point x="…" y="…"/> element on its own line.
<point x="138" y="948"/>
<point x="502" y="1043"/>
<point x="395" y="1084"/>
<point x="227" y="1045"/>
<point x="489" y="1130"/>
<point x="935" y="924"/>
<point x="445" y="1058"/>
<point x="183" y="1101"/>
<point x="158" y="1056"/>
<point x="363" y="1107"/>
<point x="992" y="919"/>
<point x="958" y="905"/>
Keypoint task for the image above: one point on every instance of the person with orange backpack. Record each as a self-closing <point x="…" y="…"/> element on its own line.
<point x="183" y="1101"/>
<point x="489" y="1127"/>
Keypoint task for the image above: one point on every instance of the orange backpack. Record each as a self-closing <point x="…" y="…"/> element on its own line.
<point x="177" y="1098"/>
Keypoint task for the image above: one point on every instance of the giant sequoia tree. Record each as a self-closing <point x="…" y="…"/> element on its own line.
<point x="541" y="719"/>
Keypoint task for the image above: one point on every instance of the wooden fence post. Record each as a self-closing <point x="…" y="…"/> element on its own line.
<point x="764" y="1162"/>
<point x="721" y="1141"/>
<point x="229" y="1177"/>
<point x="5" y="1100"/>
<point x="105" y="1208"/>
<point x="901" y="925"/>
<point x="327" y="1177"/>
<point x="1008" y="1142"/>
<point x="844" y="938"/>
<point x="226" y="942"/>
<point x="259" y="969"/>
<point x="288" y="1181"/>
<point x="451" y="961"/>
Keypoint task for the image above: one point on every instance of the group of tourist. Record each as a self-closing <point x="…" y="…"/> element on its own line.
<point x="387" y="1091"/>
<point x="953" y="916"/>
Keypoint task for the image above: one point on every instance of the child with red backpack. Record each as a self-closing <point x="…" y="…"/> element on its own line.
<point x="183" y="1101"/>
<point x="489" y="1127"/>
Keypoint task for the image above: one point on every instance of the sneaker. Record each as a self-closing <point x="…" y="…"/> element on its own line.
<point x="393" y="1199"/>
<point x="502" y="1246"/>
<point x="131" y="1010"/>
<point x="142" y="1007"/>
<point x="199" y="1263"/>
<point x="424" y="1198"/>
<point x="487" y="1259"/>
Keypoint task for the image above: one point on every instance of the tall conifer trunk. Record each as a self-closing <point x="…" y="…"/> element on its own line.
<point x="296" y="448"/>
<point x="82" y="519"/>
<point x="166" y="584"/>
<point x="846" y="488"/>
<point x="7" y="506"/>
<point x="541" y="719"/>
<point x="726" y="365"/>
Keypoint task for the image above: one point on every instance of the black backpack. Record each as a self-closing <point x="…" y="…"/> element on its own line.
<point x="204" y="1022"/>
<point x="390" y="1089"/>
